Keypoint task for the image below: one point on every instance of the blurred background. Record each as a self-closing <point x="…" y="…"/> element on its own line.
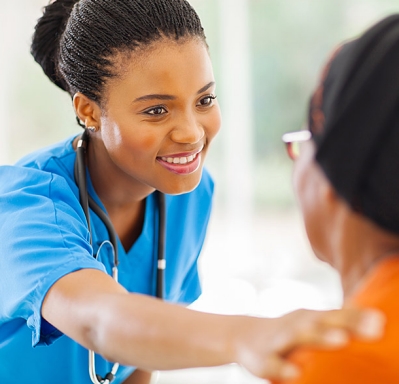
<point x="267" y="57"/>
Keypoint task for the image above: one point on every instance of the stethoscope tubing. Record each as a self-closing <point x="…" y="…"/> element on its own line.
<point x="87" y="202"/>
<point x="161" y="246"/>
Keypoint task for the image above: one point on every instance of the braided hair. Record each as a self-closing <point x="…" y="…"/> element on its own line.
<point x="75" y="41"/>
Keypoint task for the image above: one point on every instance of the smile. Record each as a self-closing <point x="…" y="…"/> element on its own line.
<point x="181" y="165"/>
<point x="180" y="160"/>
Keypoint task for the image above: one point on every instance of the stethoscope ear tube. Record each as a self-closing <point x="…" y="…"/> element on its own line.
<point x="87" y="201"/>
<point x="80" y="169"/>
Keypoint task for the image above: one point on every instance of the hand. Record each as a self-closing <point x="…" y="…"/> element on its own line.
<point x="262" y="348"/>
<point x="144" y="332"/>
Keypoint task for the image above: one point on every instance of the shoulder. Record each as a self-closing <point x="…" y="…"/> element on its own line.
<point x="198" y="202"/>
<point x="361" y="362"/>
<point x="56" y="158"/>
<point x="188" y="216"/>
<point x="32" y="198"/>
<point x="204" y="189"/>
<point x="24" y="182"/>
<point x="42" y="171"/>
<point x="207" y="181"/>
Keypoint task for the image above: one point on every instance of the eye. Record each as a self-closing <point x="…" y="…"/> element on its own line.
<point x="156" y="111"/>
<point x="207" y="101"/>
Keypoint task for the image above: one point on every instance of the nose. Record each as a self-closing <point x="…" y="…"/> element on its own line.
<point x="188" y="130"/>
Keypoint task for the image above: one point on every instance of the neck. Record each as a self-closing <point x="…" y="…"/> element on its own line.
<point x="358" y="247"/>
<point x="128" y="222"/>
<point x="122" y="196"/>
<point x="114" y="187"/>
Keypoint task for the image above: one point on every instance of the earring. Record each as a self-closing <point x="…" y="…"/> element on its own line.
<point x="92" y="129"/>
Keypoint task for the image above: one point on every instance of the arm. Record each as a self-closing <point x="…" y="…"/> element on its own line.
<point x="139" y="377"/>
<point x="91" y="308"/>
<point x="134" y="329"/>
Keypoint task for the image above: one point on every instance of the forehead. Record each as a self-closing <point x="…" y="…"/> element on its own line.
<point x="165" y="63"/>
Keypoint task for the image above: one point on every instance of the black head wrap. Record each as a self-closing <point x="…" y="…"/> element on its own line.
<point x="354" y="119"/>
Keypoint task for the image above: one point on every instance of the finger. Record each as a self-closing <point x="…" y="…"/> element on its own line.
<point x="319" y="335"/>
<point x="276" y="368"/>
<point x="272" y="367"/>
<point x="330" y="329"/>
<point x="362" y="323"/>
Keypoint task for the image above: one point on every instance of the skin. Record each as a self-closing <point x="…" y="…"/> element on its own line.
<point x="123" y="160"/>
<point x="348" y="241"/>
<point x="139" y="377"/>
<point x="151" y="112"/>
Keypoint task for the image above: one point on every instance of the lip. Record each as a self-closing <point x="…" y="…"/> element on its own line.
<point x="184" y="154"/>
<point x="182" y="169"/>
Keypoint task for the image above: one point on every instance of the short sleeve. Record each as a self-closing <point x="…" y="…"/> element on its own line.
<point x="43" y="236"/>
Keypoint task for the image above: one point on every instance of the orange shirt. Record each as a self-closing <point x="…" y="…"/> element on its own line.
<point x="361" y="362"/>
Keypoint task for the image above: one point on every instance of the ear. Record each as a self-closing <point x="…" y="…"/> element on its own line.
<point x="87" y="110"/>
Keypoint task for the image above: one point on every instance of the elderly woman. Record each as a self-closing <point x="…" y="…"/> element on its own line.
<point x="346" y="178"/>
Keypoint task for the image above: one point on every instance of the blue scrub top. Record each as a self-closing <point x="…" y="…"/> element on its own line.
<point x="44" y="236"/>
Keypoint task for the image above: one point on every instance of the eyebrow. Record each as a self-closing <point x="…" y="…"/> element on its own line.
<point x="203" y="89"/>
<point x="156" y="96"/>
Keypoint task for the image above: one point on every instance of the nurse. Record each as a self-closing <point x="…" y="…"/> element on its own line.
<point x="143" y="89"/>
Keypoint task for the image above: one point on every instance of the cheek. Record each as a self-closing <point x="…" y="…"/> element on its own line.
<point x="213" y="123"/>
<point x="144" y="142"/>
<point x="307" y="194"/>
<point x="111" y="133"/>
<point x="127" y="140"/>
<point x="299" y="183"/>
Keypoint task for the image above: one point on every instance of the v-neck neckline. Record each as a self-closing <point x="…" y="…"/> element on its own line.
<point x="146" y="230"/>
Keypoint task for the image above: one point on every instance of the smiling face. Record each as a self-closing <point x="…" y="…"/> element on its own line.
<point x="158" y="119"/>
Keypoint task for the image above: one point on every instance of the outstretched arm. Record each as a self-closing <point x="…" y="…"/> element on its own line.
<point x="132" y="329"/>
<point x="139" y="377"/>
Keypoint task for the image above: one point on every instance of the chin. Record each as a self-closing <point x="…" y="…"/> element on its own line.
<point x="321" y="255"/>
<point x="316" y="245"/>
<point x="183" y="186"/>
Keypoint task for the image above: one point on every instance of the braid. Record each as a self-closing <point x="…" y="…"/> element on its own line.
<point x="85" y="36"/>
<point x="45" y="42"/>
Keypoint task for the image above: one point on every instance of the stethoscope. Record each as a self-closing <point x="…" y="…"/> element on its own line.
<point x="87" y="202"/>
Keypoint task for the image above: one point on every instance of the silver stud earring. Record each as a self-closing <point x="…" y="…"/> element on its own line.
<point x="92" y="129"/>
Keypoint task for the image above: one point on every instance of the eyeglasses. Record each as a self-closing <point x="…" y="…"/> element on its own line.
<point x="292" y="141"/>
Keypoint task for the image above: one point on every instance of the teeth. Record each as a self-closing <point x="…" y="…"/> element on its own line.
<point x="179" y="160"/>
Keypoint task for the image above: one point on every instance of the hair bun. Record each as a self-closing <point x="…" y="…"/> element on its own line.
<point x="46" y="38"/>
